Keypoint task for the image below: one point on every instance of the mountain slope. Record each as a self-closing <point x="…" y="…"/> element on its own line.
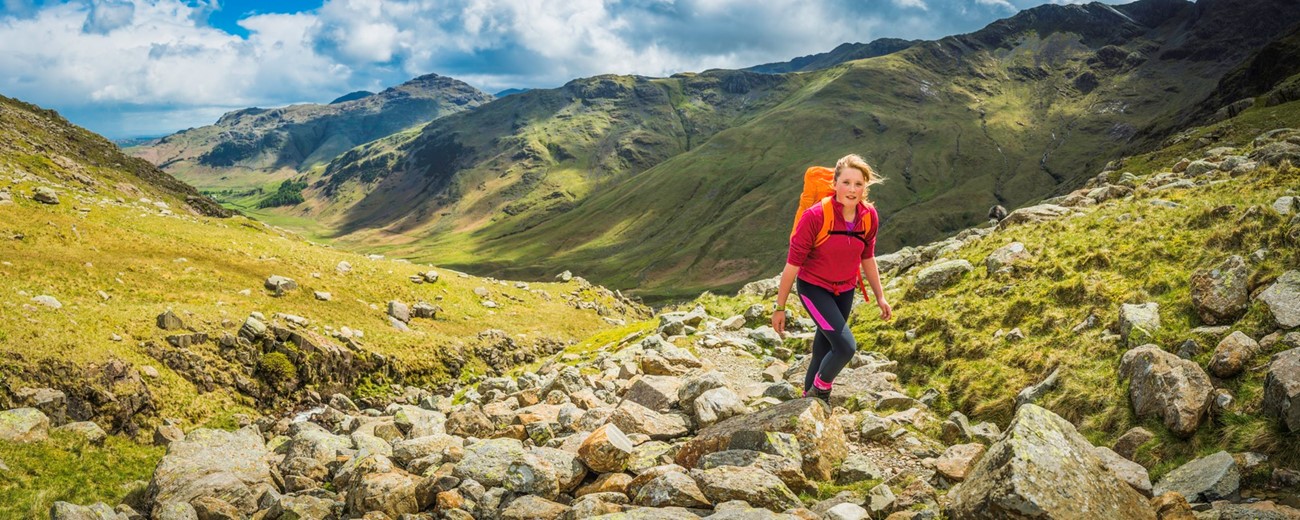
<point x="1028" y="107"/>
<point x="136" y="312"/>
<point x="246" y="145"/>
<point x="844" y="52"/>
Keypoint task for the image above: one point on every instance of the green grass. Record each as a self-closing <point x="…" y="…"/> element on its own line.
<point x="69" y="469"/>
<point x="1124" y="252"/>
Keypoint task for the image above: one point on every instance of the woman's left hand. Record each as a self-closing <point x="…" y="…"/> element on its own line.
<point x="886" y="312"/>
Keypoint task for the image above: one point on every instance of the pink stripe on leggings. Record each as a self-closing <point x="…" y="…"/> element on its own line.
<point x="817" y="316"/>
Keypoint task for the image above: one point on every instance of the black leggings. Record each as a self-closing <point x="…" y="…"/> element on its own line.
<point x="834" y="345"/>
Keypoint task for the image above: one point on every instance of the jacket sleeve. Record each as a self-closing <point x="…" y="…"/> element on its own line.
<point x="805" y="235"/>
<point x="870" y="250"/>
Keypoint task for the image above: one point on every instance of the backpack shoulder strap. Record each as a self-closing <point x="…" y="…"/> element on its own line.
<point x="828" y="221"/>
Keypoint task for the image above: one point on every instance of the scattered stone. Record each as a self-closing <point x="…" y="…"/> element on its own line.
<point x="488" y="461"/>
<point x="1166" y="386"/>
<point x="1005" y="256"/>
<point x="23" y="425"/>
<point x="399" y="311"/>
<point x="168" y="320"/>
<point x="280" y="284"/>
<point x="1201" y="167"/>
<point x="230" y="465"/>
<point x="755" y="486"/>
<point x="1283" y="300"/>
<point x="957" y="461"/>
<point x="821" y="442"/>
<point x="47" y="301"/>
<point x="1039" y="213"/>
<point x="880" y="501"/>
<point x="1209" y="478"/>
<point x="1126" y="470"/>
<point x="1282" y="389"/>
<point x="1042" y="467"/>
<point x="1219" y="293"/>
<point x="322" y="295"/>
<point x="671" y="489"/>
<point x="45" y="195"/>
<point x="1232" y="354"/>
<point x="343" y="267"/>
<point x="565" y="276"/>
<point x="1137" y="323"/>
<point x="942" y="274"/>
<point x="606" y="450"/>
<point x="716" y="405"/>
<point x="1128" y="443"/>
<point x="87" y="430"/>
<point x="1033" y="393"/>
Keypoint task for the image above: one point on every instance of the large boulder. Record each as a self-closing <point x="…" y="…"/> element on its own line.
<point x="1039" y="213"/>
<point x="634" y="418"/>
<point x="488" y="461"/>
<point x="393" y="493"/>
<point x="751" y="484"/>
<point x="658" y="393"/>
<point x="1043" y="468"/>
<point x="1282" y="389"/>
<point x="24" y="425"/>
<point x="1209" y="478"/>
<point x="1219" y="293"/>
<point x="942" y="274"/>
<point x="1283" y="299"/>
<point x="821" y="441"/>
<point x="1166" y="386"/>
<point x="228" y="465"/>
<point x="96" y="511"/>
<point x="1005" y="256"/>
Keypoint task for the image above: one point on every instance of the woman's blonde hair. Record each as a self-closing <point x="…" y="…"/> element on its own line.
<point x="856" y="162"/>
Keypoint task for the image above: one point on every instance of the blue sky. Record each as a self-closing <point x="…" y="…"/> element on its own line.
<point x="150" y="67"/>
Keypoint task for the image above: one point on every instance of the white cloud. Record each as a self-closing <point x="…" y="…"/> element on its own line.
<point x="913" y="4"/>
<point x="110" y="57"/>
<point x="1006" y="4"/>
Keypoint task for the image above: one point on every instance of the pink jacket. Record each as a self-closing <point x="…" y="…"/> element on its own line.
<point x="835" y="264"/>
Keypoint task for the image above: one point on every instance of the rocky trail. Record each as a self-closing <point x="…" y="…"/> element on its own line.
<point x="701" y="417"/>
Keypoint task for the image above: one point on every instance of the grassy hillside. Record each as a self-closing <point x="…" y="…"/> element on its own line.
<point x="1131" y="250"/>
<point x="666" y="187"/>
<point x="117" y="258"/>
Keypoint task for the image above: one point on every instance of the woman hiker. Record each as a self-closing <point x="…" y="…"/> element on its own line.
<point x="827" y="273"/>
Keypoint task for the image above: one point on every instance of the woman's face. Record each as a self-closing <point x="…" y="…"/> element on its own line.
<point x="849" y="186"/>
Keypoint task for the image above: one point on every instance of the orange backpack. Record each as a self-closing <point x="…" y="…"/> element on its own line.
<point x="817" y="189"/>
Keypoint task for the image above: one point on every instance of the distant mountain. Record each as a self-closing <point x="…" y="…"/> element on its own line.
<point x="511" y="92"/>
<point x="670" y="186"/>
<point x="352" y="96"/>
<point x="845" y="52"/>
<point x="292" y="139"/>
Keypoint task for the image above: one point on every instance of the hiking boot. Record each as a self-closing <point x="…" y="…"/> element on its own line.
<point x="824" y="395"/>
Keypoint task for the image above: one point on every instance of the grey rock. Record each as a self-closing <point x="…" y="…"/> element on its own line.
<point x="763" y="289"/>
<point x="1233" y="354"/>
<point x="1137" y="323"/>
<point x="96" y="511"/>
<point x="658" y="393"/>
<point x="1039" y="213"/>
<point x="1201" y="167"/>
<point x="280" y="284"/>
<point x="1209" y="478"/>
<point x="1166" y="386"/>
<point x="755" y="486"/>
<point x="1219" y="293"/>
<point x="1033" y="393"/>
<point x="23" y="425"/>
<point x="1128" y="443"/>
<point x="230" y="465"/>
<point x="1282" y="389"/>
<point x="87" y="430"/>
<point x="1283" y="300"/>
<point x="1005" y="256"/>
<point x="47" y="301"/>
<point x="1126" y="470"/>
<point x="880" y="501"/>
<point x="45" y="195"/>
<point x="942" y="274"/>
<point x="488" y="461"/>
<point x="716" y="405"/>
<point x="857" y="468"/>
<point x="399" y="311"/>
<point x="1043" y="468"/>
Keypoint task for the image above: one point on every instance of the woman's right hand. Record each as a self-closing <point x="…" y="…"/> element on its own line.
<point x="778" y="323"/>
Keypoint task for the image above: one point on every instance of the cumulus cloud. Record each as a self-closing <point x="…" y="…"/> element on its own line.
<point x="121" y="64"/>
